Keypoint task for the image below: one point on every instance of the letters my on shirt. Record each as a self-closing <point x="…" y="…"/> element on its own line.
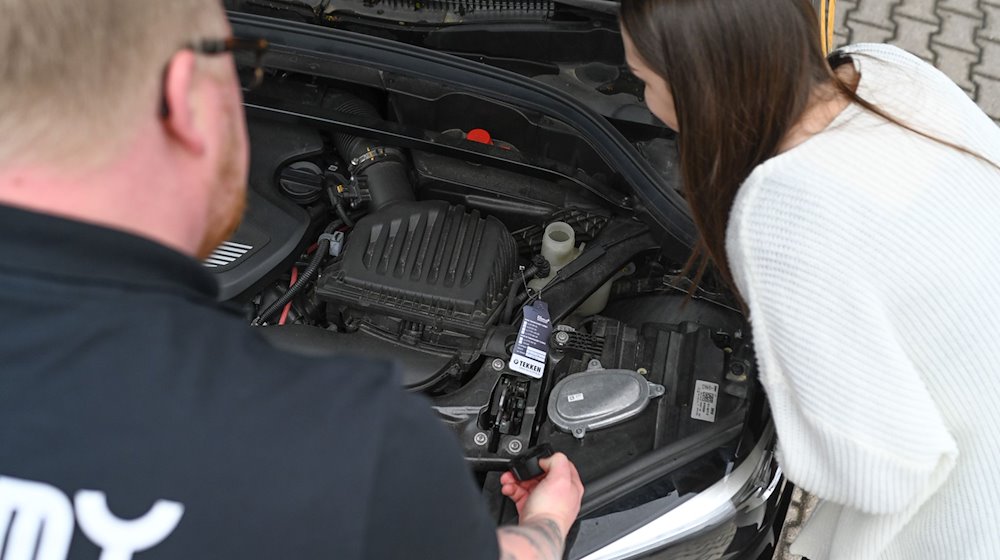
<point x="36" y="523"/>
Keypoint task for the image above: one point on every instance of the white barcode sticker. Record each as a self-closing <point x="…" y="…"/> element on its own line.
<point x="705" y="402"/>
<point x="575" y="397"/>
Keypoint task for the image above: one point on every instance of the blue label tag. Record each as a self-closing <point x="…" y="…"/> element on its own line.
<point x="532" y="346"/>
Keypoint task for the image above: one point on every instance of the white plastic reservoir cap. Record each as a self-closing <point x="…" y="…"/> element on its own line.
<point x="559" y="244"/>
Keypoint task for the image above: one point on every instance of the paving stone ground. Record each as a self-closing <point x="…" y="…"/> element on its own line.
<point x="798" y="511"/>
<point x="962" y="39"/>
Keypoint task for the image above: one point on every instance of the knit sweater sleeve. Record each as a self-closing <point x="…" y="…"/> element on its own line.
<point x="856" y="422"/>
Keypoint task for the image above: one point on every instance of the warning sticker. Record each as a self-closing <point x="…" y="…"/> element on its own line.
<point x="706" y="397"/>
<point x="532" y="344"/>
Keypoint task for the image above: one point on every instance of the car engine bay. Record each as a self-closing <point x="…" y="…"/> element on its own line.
<point x="494" y="256"/>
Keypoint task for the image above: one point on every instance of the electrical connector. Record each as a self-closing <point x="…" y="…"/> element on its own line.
<point x="336" y="240"/>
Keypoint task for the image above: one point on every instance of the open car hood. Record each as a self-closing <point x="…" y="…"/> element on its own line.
<point x="399" y="201"/>
<point x="572" y="48"/>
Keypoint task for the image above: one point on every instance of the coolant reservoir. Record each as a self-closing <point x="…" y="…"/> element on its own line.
<point x="559" y="248"/>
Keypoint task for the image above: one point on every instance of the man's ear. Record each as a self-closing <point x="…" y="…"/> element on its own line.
<point x="179" y="111"/>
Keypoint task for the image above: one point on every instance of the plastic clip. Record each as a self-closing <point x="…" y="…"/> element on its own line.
<point x="336" y="240"/>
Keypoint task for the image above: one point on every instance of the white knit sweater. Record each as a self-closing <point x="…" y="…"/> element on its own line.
<point x="870" y="260"/>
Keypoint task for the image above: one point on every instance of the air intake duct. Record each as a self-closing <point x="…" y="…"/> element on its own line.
<point x="382" y="169"/>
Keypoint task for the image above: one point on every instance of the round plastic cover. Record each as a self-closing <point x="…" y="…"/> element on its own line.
<point x="599" y="398"/>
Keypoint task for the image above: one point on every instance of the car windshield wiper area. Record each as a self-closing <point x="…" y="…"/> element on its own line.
<point x="602" y="6"/>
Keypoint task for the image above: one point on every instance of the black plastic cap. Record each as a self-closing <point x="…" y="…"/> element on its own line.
<point x="525" y="466"/>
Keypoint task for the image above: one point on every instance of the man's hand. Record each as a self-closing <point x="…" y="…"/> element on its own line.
<point x="547" y="507"/>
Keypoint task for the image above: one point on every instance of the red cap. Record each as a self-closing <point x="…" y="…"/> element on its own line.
<point x="479" y="135"/>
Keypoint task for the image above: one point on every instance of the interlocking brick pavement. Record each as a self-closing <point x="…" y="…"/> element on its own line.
<point x="801" y="506"/>
<point x="961" y="37"/>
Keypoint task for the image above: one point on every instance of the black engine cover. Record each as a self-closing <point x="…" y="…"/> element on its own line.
<point x="429" y="262"/>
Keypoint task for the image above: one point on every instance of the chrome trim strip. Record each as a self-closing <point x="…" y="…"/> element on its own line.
<point x="226" y="254"/>
<point x="748" y="486"/>
<point x="220" y="252"/>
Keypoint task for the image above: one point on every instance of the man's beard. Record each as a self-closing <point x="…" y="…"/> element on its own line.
<point x="229" y="197"/>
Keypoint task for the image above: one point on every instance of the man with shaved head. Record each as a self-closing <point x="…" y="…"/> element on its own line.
<point x="137" y="416"/>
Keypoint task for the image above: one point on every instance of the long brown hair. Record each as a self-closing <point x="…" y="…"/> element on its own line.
<point x="742" y="74"/>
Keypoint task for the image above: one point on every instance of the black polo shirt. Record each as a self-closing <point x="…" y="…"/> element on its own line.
<point x="137" y="415"/>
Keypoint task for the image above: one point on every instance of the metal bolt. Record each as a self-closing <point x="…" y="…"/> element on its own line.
<point x="514" y="446"/>
<point x="481" y="438"/>
<point x="498" y="364"/>
<point x="562" y="337"/>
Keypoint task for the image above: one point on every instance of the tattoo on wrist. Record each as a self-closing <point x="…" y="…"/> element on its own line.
<point x="543" y="535"/>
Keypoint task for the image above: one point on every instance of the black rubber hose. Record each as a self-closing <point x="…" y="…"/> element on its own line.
<point x="508" y="310"/>
<point x="386" y="176"/>
<point x="347" y="145"/>
<point x="388" y="182"/>
<point x="515" y="286"/>
<point x="338" y="205"/>
<point x="539" y="268"/>
<point x="322" y="248"/>
<point x="306" y="276"/>
<point x="342" y="213"/>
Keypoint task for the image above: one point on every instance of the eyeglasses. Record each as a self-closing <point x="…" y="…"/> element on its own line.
<point x="251" y="77"/>
<point x="236" y="45"/>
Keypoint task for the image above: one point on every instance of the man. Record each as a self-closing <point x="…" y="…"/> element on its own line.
<point x="137" y="417"/>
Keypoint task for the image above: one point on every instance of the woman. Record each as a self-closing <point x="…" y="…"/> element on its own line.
<point x="854" y="204"/>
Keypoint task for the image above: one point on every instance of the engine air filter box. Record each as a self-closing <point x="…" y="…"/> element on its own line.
<point x="428" y="262"/>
